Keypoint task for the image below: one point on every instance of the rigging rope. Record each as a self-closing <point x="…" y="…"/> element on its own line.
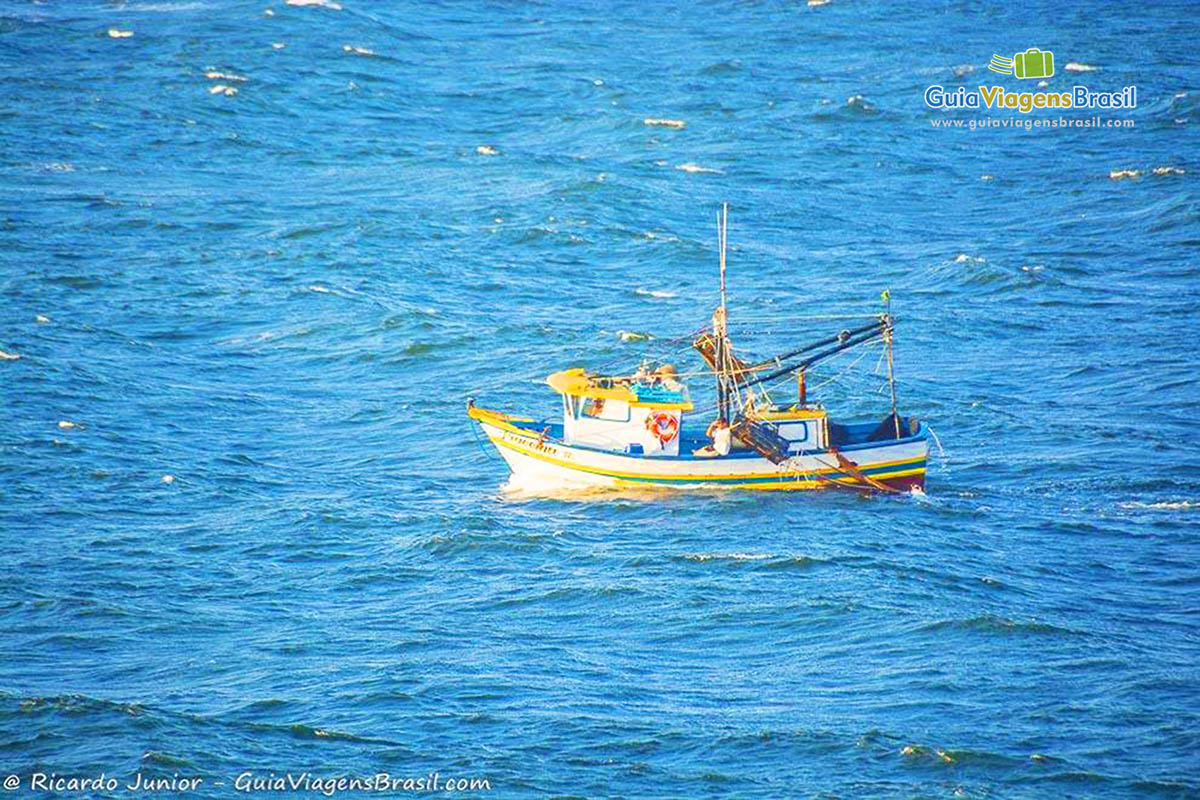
<point x="850" y="366"/>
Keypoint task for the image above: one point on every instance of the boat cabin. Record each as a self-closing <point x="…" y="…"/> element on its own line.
<point x="639" y="415"/>
<point x="643" y="415"/>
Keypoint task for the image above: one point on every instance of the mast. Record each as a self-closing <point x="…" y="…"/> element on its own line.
<point x="887" y="339"/>
<point x="720" y="329"/>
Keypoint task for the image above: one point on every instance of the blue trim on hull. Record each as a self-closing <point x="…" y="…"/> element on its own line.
<point x="695" y="442"/>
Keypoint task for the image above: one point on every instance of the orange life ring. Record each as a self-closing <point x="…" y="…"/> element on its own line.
<point x="665" y="427"/>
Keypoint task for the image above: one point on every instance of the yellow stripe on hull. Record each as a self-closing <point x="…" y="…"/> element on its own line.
<point x="787" y="485"/>
<point x="782" y="482"/>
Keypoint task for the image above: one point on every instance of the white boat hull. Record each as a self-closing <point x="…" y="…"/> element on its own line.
<point x="540" y="462"/>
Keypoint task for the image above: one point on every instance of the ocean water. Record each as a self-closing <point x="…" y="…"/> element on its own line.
<point x="246" y="527"/>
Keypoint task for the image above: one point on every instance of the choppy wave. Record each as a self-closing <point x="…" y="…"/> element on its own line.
<point x="988" y="623"/>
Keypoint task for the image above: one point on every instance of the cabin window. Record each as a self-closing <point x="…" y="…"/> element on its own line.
<point x="795" y="430"/>
<point x="602" y="409"/>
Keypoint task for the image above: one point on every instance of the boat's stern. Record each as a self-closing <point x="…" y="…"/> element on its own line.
<point x="871" y="454"/>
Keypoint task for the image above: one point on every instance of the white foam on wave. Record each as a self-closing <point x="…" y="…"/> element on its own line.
<point x="654" y="293"/>
<point x="358" y="51"/>
<point x="1121" y="174"/>
<point x="116" y="33"/>
<point x="1075" y="66"/>
<point x="214" y="75"/>
<point x="697" y="169"/>
<point x="662" y="122"/>
<point x="487" y="150"/>
<point x="659" y="237"/>
<point x="166" y="7"/>
<point x="262" y="336"/>
<point x="1178" y="505"/>
<point x="702" y="557"/>
<point x="330" y="4"/>
<point x="633" y="336"/>
<point x="5" y="356"/>
<point x="858" y="101"/>
<point x="1168" y="170"/>
<point x="220" y="88"/>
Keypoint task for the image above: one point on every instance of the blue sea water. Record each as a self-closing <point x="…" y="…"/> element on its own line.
<point x="281" y="298"/>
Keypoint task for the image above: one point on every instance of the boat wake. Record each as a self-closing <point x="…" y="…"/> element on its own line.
<point x="525" y="488"/>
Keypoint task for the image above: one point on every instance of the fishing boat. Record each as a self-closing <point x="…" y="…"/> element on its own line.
<point x="638" y="429"/>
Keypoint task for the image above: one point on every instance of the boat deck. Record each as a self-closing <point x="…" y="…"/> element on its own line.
<point x="691" y="438"/>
